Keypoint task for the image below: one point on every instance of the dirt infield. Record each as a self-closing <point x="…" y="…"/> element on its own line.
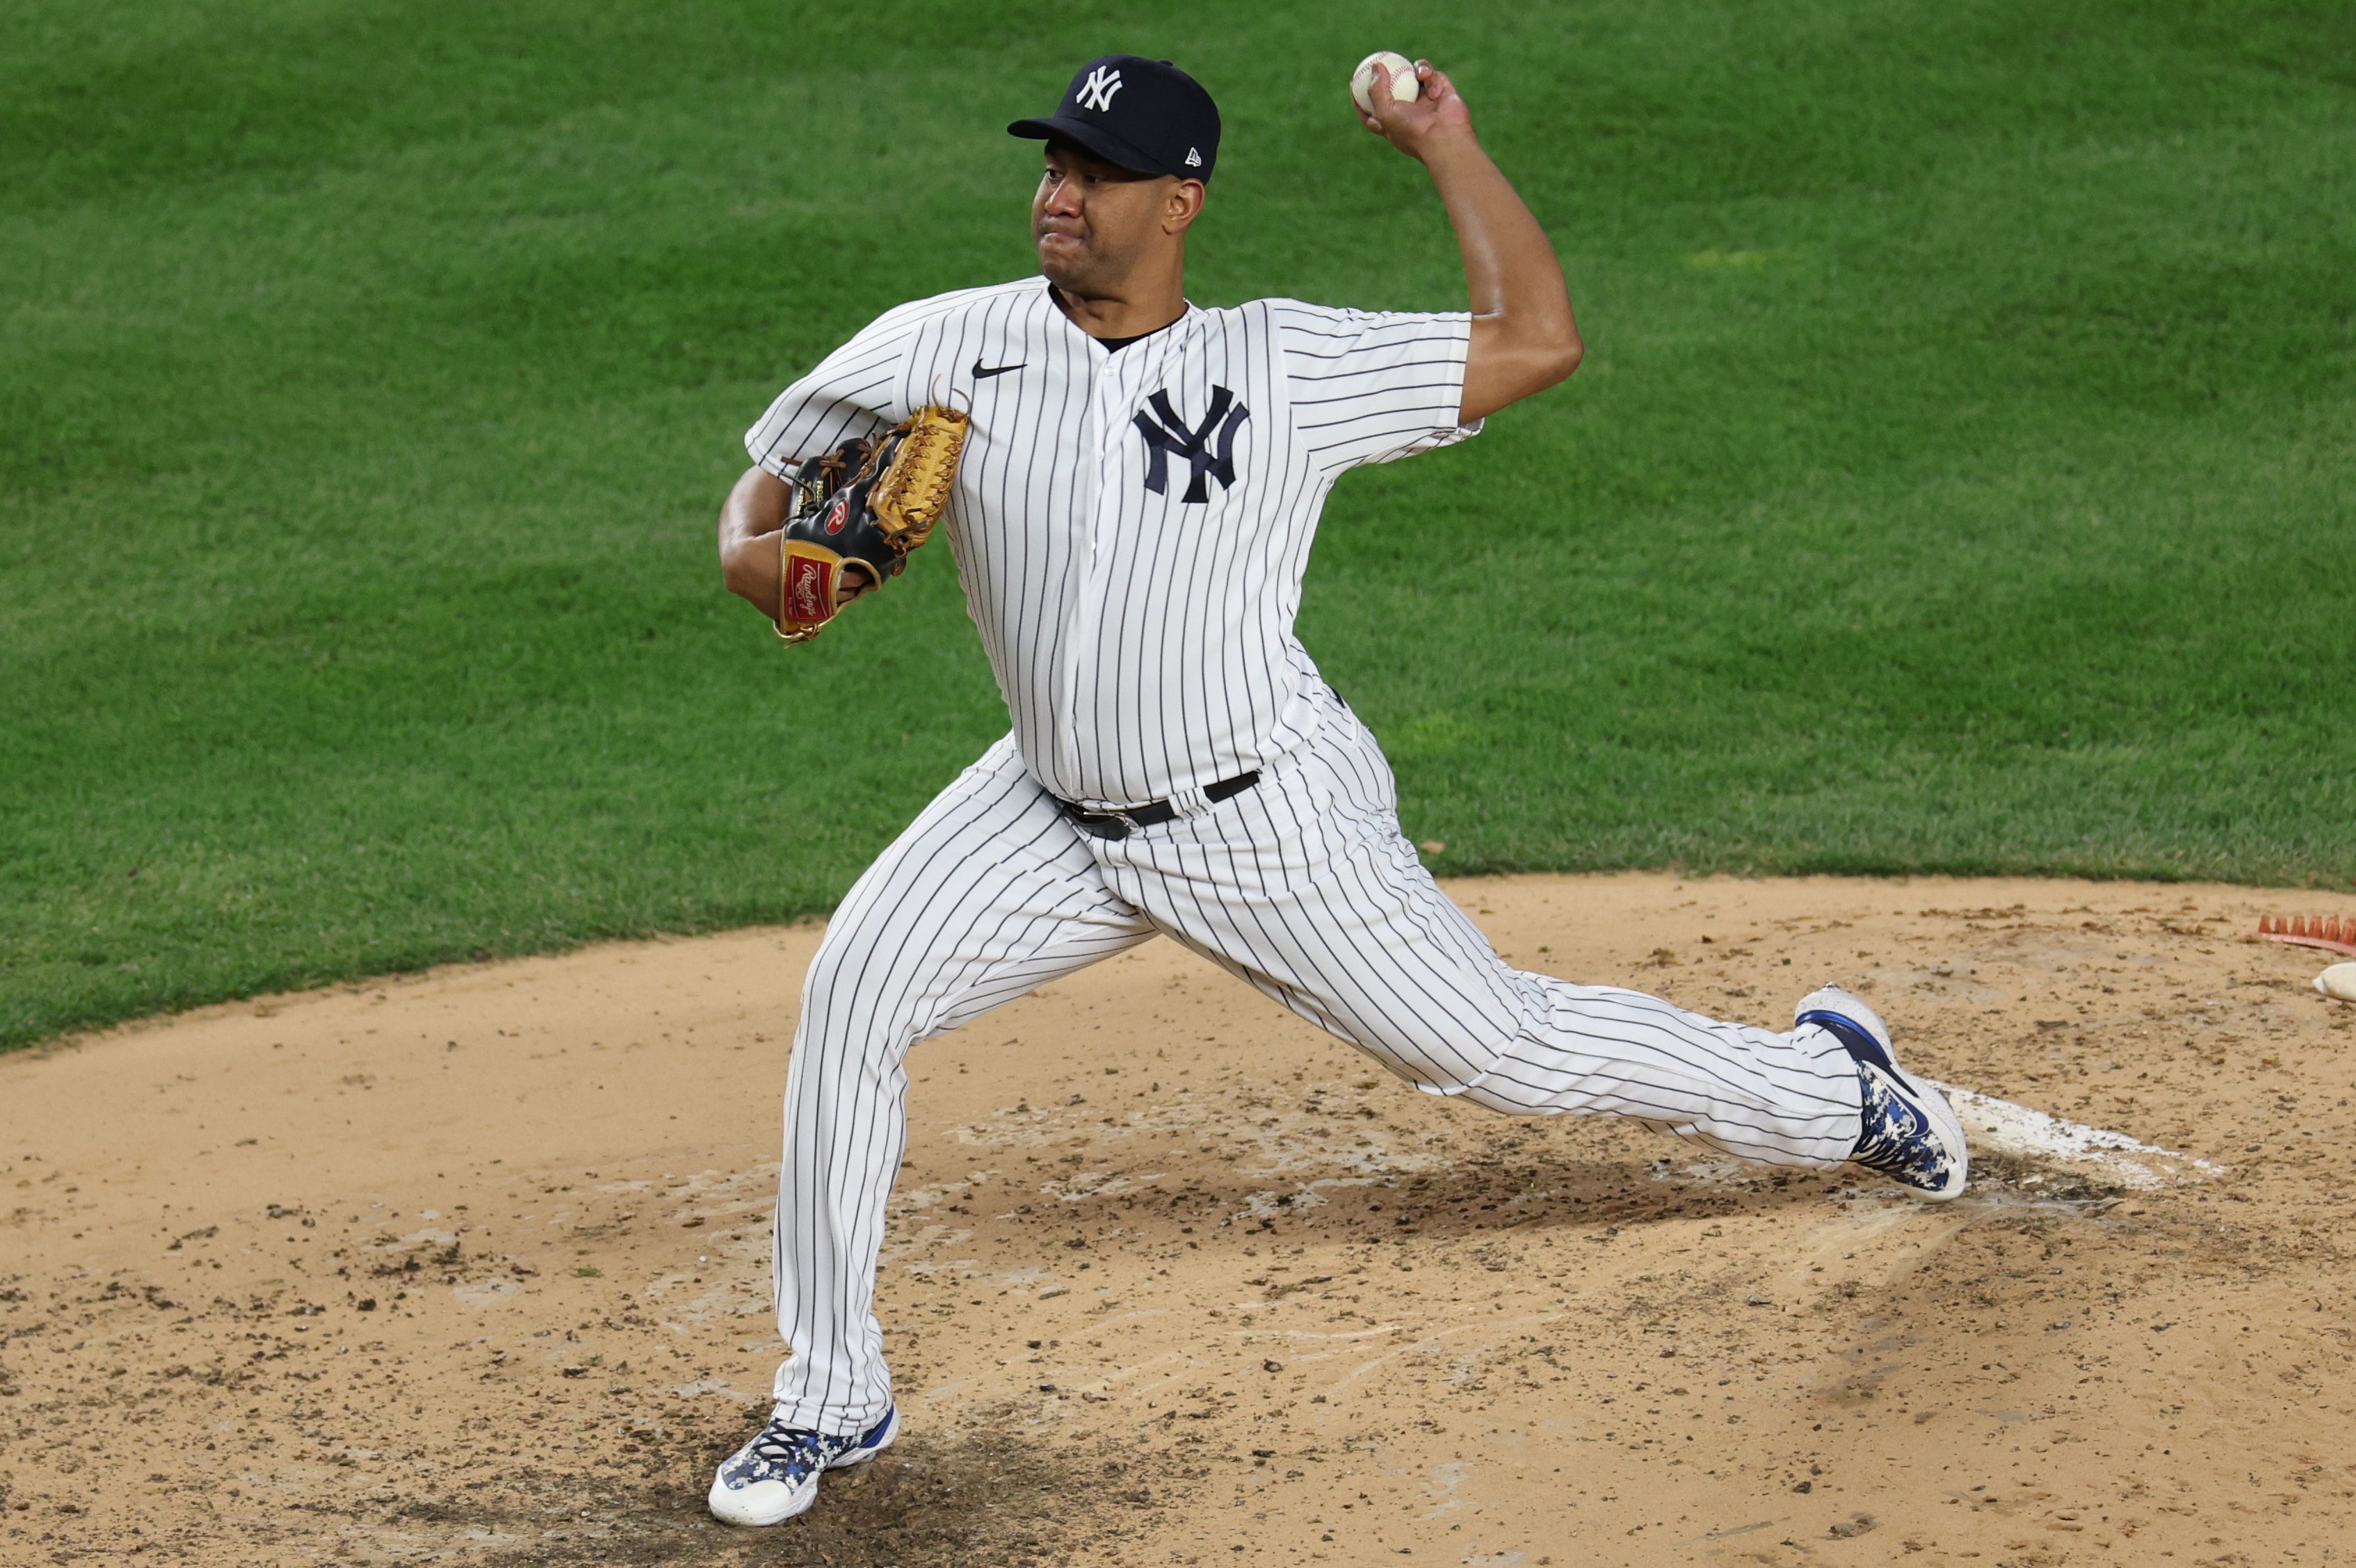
<point x="471" y="1267"/>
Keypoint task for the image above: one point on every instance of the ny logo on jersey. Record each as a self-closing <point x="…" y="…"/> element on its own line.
<point x="1208" y="448"/>
<point x="1097" y="91"/>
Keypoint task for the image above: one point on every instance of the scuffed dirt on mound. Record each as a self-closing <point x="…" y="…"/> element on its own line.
<point x="471" y="1268"/>
<point x="984" y="1497"/>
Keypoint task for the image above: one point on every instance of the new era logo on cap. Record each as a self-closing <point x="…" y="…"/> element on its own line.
<point x="1137" y="113"/>
<point x="1097" y="91"/>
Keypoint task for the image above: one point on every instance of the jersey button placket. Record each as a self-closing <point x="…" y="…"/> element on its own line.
<point x="1106" y="393"/>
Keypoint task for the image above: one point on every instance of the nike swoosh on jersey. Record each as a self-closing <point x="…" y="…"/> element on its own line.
<point x="981" y="374"/>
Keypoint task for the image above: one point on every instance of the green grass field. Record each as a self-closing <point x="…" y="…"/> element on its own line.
<point x="1960" y="479"/>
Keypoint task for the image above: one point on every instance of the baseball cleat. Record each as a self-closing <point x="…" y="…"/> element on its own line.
<point x="1910" y="1132"/>
<point x="775" y="1475"/>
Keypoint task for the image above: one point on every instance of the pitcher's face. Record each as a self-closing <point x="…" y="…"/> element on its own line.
<point x="1091" y="220"/>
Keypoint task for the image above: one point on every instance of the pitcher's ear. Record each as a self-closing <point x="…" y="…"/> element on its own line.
<point x="1184" y="204"/>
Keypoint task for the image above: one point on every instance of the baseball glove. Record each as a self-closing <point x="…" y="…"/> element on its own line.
<point x="857" y="511"/>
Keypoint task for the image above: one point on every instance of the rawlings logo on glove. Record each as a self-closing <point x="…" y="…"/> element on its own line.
<point x="857" y="512"/>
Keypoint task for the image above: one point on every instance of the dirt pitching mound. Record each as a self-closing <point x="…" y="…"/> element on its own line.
<point x="471" y="1267"/>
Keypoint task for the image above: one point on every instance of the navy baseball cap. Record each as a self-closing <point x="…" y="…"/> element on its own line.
<point x="1143" y="114"/>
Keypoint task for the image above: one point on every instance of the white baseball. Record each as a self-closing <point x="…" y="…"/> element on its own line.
<point x="2339" y="981"/>
<point x="1404" y="84"/>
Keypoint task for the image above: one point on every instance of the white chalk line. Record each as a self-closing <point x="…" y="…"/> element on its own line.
<point x="2001" y="1127"/>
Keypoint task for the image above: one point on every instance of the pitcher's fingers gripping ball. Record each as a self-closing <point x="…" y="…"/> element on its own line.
<point x="857" y="512"/>
<point x="1397" y="68"/>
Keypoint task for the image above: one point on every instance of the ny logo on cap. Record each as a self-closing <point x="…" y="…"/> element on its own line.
<point x="1097" y="91"/>
<point x="1208" y="448"/>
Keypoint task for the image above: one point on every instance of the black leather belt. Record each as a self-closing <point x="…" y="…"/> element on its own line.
<point x="1122" y="824"/>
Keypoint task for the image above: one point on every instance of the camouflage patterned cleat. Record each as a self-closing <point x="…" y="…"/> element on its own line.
<point x="1910" y="1132"/>
<point x="775" y="1475"/>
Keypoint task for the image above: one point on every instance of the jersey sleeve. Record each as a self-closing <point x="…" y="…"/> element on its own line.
<point x="1374" y="385"/>
<point x="855" y="392"/>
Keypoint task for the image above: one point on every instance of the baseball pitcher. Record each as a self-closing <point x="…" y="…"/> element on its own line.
<point x="1129" y="483"/>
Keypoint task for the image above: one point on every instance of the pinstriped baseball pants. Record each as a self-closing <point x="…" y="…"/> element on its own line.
<point x="1304" y="887"/>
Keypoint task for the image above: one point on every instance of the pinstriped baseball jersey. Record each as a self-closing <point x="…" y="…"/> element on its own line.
<point x="1132" y="525"/>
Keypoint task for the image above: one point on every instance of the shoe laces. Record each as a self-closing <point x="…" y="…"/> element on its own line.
<point x="785" y="1449"/>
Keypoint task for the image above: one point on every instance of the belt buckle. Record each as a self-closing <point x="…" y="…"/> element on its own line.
<point x="1109" y="824"/>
